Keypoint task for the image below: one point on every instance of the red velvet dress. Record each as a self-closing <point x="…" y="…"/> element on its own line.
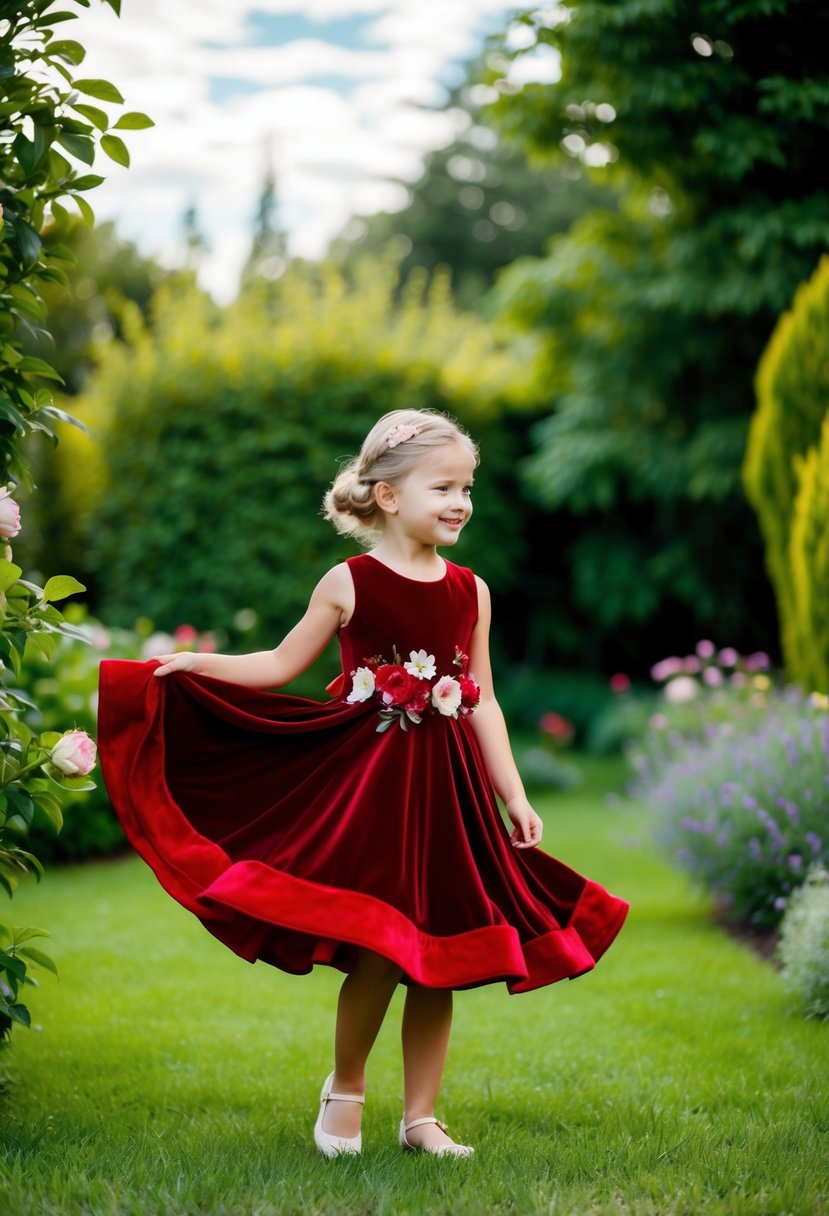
<point x="296" y="833"/>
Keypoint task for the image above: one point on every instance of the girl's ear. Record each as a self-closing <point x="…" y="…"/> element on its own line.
<point x="385" y="497"/>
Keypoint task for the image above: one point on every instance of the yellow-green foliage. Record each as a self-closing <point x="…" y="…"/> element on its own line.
<point x="809" y="550"/>
<point x="786" y="475"/>
<point x="216" y="431"/>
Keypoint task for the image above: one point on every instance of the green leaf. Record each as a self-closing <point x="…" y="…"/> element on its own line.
<point x="38" y="367"/>
<point x="87" y="182"/>
<point x="67" y="50"/>
<point x="133" y="120"/>
<point x="35" y="863"/>
<point x="25" y="935"/>
<point x="51" y="808"/>
<point x="115" y="5"/>
<point x="53" y="411"/>
<point x="116" y="149"/>
<point x="63" y="254"/>
<point x="75" y="784"/>
<point x="79" y="146"/>
<point x="38" y="956"/>
<point x="23" y="805"/>
<point x="28" y="242"/>
<point x="85" y="210"/>
<point x="59" y="166"/>
<point x="9" y="573"/>
<point x="54" y="18"/>
<point x="19" y="1013"/>
<point x="101" y="89"/>
<point x="98" y="118"/>
<point x="59" y="586"/>
<point x="10" y="962"/>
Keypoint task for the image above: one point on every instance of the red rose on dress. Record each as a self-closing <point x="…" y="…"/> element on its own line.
<point x="418" y="701"/>
<point x="470" y="691"/>
<point x="394" y="684"/>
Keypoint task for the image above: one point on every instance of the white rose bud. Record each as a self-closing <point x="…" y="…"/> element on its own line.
<point x="74" y="753"/>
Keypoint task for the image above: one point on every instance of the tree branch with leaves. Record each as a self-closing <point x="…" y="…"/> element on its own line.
<point x="50" y="134"/>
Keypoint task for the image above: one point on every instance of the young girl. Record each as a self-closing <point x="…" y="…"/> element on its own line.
<point x="360" y="832"/>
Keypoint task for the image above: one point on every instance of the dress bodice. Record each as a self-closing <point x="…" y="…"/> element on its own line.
<point x="392" y="610"/>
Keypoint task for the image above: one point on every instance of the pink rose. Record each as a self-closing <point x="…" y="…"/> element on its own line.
<point x="619" y="682"/>
<point x="185" y="635"/>
<point x="9" y="514"/>
<point x="446" y="696"/>
<point x="74" y="753"/>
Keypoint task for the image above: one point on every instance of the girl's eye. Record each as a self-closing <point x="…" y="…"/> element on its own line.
<point x="467" y="489"/>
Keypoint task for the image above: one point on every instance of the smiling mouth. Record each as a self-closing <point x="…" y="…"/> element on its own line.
<point x="451" y="522"/>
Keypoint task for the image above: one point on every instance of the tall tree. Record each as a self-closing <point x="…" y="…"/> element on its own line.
<point x="709" y="117"/>
<point x="477" y="206"/>
<point x="267" y="259"/>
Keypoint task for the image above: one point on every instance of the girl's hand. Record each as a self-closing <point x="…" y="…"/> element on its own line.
<point x="182" y="660"/>
<point x="528" y="827"/>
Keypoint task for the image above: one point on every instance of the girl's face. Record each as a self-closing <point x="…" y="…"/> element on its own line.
<point x="434" y="500"/>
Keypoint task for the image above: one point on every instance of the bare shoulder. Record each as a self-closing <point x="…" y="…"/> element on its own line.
<point x="336" y="588"/>
<point x="484" y="598"/>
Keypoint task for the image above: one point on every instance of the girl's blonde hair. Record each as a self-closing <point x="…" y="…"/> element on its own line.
<point x="349" y="504"/>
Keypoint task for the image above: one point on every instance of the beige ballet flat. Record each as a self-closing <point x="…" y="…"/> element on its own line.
<point x="330" y="1145"/>
<point x="440" y="1150"/>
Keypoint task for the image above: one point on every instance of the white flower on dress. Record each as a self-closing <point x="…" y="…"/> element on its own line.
<point x="446" y="696"/>
<point x="363" y="686"/>
<point x="421" y="664"/>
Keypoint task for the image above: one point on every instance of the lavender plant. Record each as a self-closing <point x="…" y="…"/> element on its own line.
<point x="740" y="786"/>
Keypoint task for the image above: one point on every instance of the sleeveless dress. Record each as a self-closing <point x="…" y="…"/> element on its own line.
<point x="297" y="833"/>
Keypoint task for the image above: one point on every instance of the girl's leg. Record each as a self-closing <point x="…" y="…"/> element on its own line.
<point x="427" y="1021"/>
<point x="363" y="1001"/>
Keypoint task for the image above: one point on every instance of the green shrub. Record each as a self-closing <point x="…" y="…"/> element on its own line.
<point x="804" y="944"/>
<point x="786" y="481"/>
<point x="219" y="431"/>
<point x="527" y="693"/>
<point x="541" y="770"/>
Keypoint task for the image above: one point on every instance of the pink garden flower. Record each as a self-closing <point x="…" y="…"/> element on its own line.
<point x="74" y="753"/>
<point x="9" y="514"/>
<point x="666" y="668"/>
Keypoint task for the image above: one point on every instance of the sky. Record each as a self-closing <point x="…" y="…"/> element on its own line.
<point x="326" y="91"/>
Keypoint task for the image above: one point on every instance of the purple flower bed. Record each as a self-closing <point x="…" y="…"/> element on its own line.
<point x="743" y="804"/>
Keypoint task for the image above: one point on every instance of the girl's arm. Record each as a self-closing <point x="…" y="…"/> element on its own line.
<point x="329" y="607"/>
<point x="490" y="729"/>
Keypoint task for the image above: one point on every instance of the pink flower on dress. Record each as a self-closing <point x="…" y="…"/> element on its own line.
<point x="446" y="696"/>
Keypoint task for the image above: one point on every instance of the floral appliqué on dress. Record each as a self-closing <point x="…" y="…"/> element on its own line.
<point x="406" y="691"/>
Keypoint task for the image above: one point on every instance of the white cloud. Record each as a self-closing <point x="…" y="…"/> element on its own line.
<point x="340" y="121"/>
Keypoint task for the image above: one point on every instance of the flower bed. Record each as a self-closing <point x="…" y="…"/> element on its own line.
<point x="737" y="771"/>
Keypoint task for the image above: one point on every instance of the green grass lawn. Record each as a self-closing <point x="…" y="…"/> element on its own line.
<point x="167" y="1076"/>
